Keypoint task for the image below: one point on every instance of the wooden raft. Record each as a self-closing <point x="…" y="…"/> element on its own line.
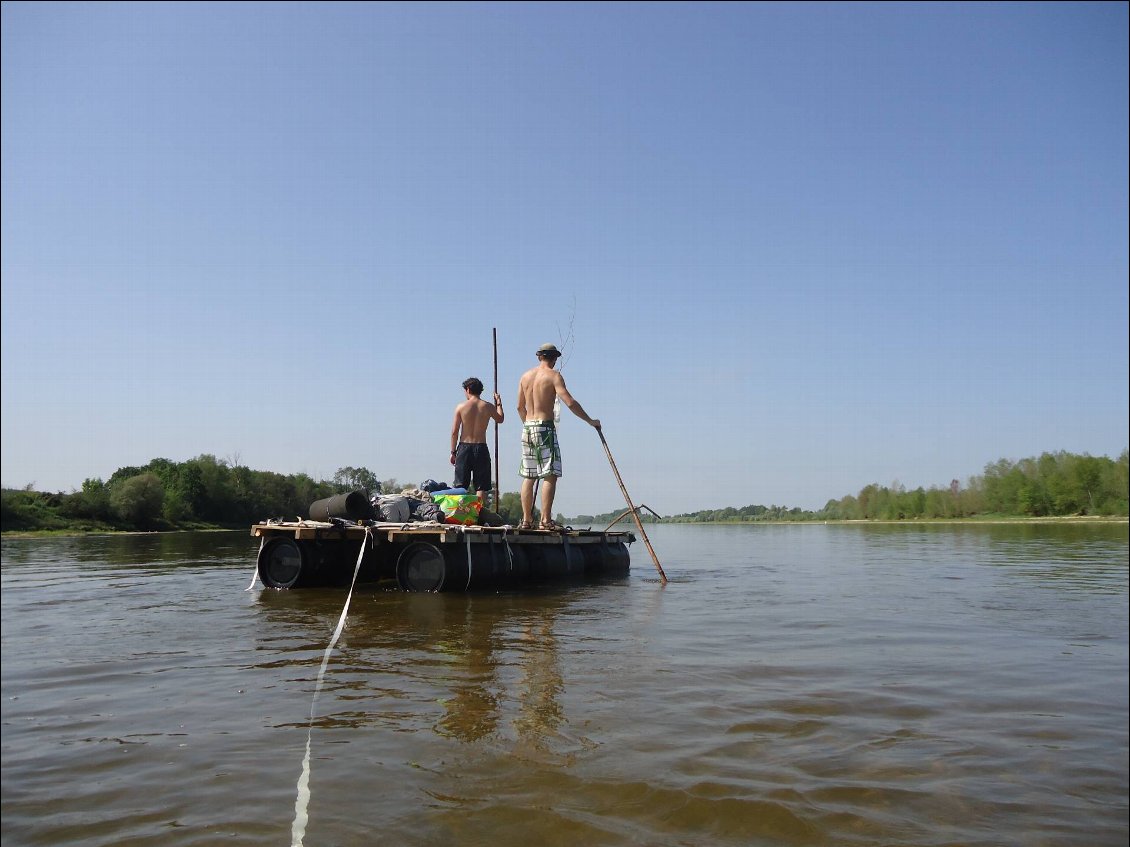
<point x="437" y="533"/>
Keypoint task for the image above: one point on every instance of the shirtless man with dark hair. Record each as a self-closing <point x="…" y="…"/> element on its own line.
<point x="469" y="452"/>
<point x="541" y="453"/>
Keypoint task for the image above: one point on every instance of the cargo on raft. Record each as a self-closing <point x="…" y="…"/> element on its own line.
<point x="433" y="556"/>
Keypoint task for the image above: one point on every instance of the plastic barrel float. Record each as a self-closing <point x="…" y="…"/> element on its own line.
<point x="423" y="566"/>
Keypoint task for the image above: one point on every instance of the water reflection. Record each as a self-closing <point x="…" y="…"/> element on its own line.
<point x="495" y="658"/>
<point x="541" y="684"/>
<point x="226" y="547"/>
<point x="471" y="711"/>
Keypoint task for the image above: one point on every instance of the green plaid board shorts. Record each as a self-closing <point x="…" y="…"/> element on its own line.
<point x="541" y="454"/>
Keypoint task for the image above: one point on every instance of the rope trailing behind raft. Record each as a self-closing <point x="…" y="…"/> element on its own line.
<point x="255" y="573"/>
<point x="302" y="801"/>
<point x="467" y="536"/>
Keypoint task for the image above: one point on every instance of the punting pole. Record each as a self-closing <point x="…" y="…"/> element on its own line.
<point x="632" y="509"/>
<point x="627" y="512"/>
<point x="494" y="335"/>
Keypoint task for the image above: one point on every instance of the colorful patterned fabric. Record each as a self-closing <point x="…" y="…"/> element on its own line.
<point x="541" y="454"/>
<point x="460" y="508"/>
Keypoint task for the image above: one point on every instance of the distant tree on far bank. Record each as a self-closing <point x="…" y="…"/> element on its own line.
<point x="351" y="479"/>
<point x="745" y="514"/>
<point x="204" y="491"/>
<point x="1052" y="485"/>
<point x="139" y="500"/>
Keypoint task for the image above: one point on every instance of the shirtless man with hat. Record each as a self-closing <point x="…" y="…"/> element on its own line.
<point x="541" y="453"/>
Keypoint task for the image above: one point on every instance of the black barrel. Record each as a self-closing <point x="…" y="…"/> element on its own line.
<point x="608" y="558"/>
<point x="280" y="563"/>
<point x="548" y="562"/>
<point x="491" y="563"/>
<point x="355" y="506"/>
<point x="421" y="567"/>
<point x="286" y="563"/>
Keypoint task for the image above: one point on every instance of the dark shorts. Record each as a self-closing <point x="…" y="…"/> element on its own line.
<point x="472" y="465"/>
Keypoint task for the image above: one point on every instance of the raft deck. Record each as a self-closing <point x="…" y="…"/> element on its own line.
<point x="429" y="556"/>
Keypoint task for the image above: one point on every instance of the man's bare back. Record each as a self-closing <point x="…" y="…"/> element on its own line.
<point x="472" y="418"/>
<point x="469" y="453"/>
<point x="538" y="388"/>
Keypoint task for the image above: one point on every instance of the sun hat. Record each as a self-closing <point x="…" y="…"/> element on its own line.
<point x="549" y="348"/>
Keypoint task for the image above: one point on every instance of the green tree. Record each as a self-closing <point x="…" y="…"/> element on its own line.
<point x="215" y="501"/>
<point x="1002" y="483"/>
<point x="350" y="479"/>
<point x="1115" y="488"/>
<point x="1088" y="474"/>
<point x="912" y="504"/>
<point x="938" y="503"/>
<point x="122" y="474"/>
<point x="306" y="490"/>
<point x="30" y="510"/>
<point x="1034" y="499"/>
<point x="138" y="500"/>
<point x="510" y="507"/>
<point x="91" y="503"/>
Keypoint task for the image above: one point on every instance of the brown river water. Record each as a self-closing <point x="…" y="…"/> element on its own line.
<point x="791" y="685"/>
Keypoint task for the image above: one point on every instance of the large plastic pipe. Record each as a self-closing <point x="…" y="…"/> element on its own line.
<point x="355" y="506"/>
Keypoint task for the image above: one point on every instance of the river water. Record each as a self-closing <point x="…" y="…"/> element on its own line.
<point x="791" y="685"/>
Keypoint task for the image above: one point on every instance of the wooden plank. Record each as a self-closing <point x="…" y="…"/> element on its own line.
<point x="409" y="535"/>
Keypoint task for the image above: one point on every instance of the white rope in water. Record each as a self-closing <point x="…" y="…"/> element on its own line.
<point x="467" y="535"/>
<point x="302" y="802"/>
<point x="255" y="573"/>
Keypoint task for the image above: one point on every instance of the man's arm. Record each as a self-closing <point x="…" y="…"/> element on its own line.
<point x="522" y="400"/>
<point x="574" y="407"/>
<point x="498" y="413"/>
<point x="456" y="425"/>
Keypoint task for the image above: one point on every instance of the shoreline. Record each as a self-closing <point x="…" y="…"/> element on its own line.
<point x="1073" y="519"/>
<point x="988" y="521"/>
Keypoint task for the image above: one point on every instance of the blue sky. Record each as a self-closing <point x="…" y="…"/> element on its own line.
<point x="793" y="249"/>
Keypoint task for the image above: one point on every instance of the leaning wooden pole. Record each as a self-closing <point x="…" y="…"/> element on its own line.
<point x="496" y="504"/>
<point x="632" y="509"/>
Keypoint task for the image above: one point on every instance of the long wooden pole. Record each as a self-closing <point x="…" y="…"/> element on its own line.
<point x="632" y="509"/>
<point x="494" y="335"/>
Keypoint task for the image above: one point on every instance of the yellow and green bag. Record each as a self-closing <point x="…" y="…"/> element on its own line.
<point x="460" y="508"/>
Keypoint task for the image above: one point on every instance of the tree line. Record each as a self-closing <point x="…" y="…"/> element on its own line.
<point x="203" y="492"/>
<point x="1051" y="485"/>
<point x="210" y="492"/>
